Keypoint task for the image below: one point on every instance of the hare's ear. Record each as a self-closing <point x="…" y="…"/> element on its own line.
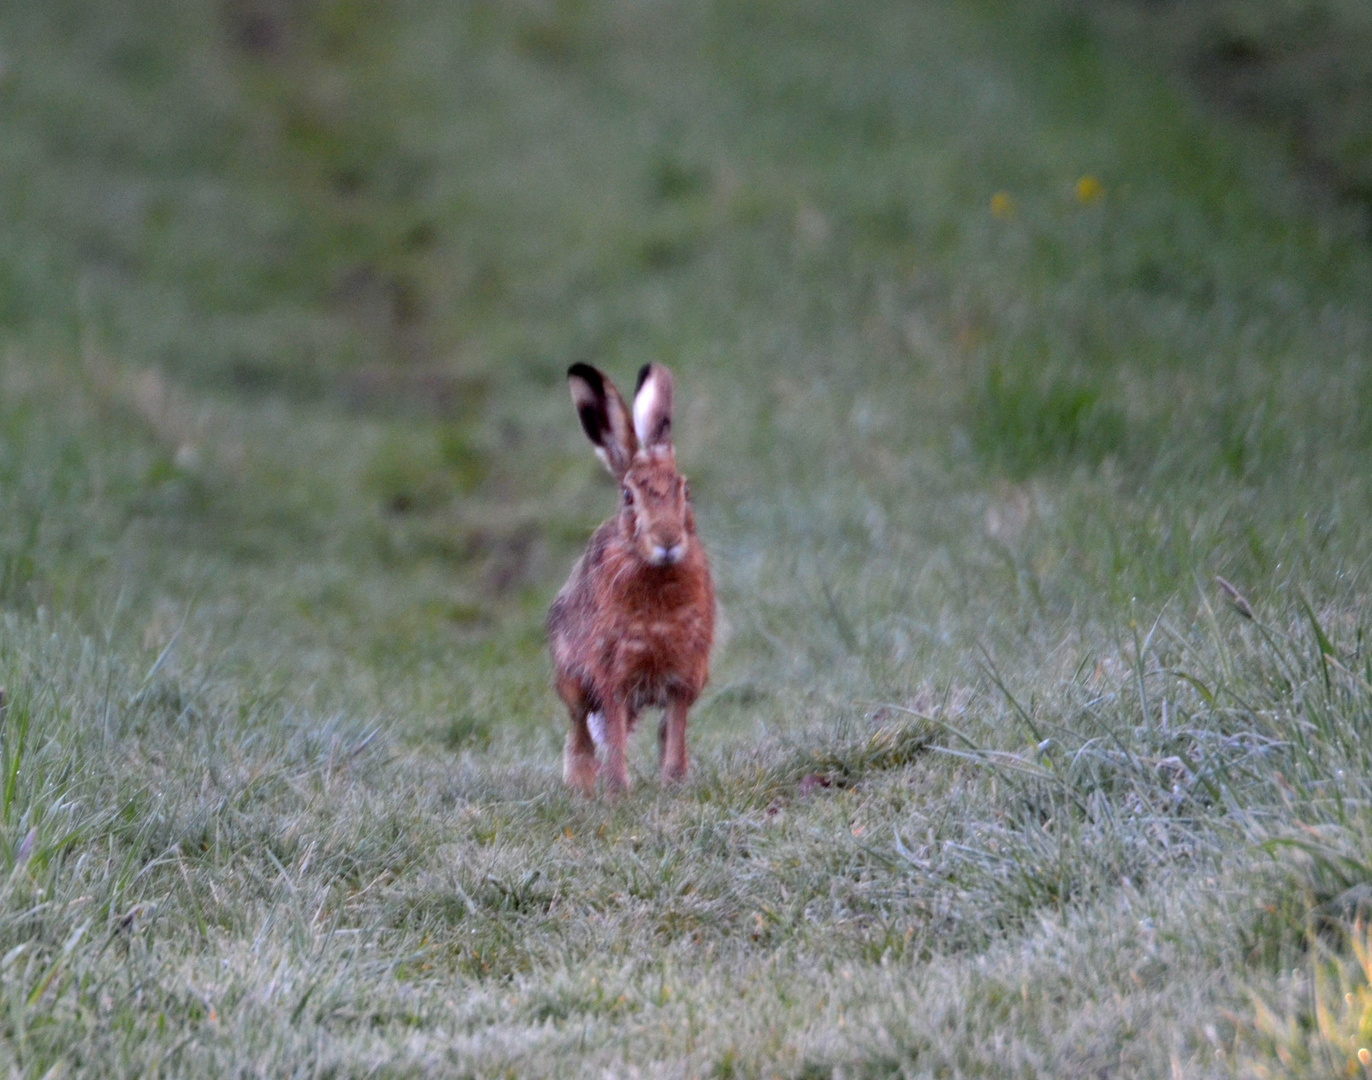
<point x="653" y="407"/>
<point x="604" y="417"/>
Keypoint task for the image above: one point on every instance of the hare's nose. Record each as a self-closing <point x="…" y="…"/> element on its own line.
<point x="669" y="555"/>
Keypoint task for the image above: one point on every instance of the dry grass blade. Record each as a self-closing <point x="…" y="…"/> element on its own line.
<point x="1236" y="599"/>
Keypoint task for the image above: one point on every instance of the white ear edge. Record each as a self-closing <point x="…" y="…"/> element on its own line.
<point x="645" y="406"/>
<point x="604" y="459"/>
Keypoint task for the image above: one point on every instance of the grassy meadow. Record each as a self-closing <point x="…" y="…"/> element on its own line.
<point x="1027" y="408"/>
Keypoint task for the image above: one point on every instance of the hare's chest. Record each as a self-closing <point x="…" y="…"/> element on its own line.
<point x="649" y="643"/>
<point x="653" y="656"/>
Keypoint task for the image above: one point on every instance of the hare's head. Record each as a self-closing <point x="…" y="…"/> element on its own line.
<point x="655" y="500"/>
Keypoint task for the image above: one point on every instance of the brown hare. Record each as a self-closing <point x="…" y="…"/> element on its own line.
<point x="632" y="627"/>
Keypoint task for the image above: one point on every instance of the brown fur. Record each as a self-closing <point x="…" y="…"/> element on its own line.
<point x="632" y="628"/>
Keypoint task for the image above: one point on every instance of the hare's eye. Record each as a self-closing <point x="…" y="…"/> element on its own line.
<point x="628" y="497"/>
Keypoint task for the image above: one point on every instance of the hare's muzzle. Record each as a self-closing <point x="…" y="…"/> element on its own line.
<point x="667" y="554"/>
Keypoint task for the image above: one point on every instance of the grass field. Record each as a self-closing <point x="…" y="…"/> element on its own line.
<point x="1028" y="415"/>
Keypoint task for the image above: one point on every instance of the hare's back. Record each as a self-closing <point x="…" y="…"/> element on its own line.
<point x="575" y="613"/>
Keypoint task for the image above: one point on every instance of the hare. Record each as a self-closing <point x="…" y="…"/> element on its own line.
<point x="632" y="627"/>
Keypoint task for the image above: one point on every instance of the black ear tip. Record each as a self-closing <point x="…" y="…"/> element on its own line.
<point x="643" y="373"/>
<point x="589" y="374"/>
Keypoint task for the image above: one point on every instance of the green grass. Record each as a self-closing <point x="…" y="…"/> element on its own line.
<point x="992" y="777"/>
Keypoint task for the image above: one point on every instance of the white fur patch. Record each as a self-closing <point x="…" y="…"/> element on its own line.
<point x="596" y="723"/>
<point x="645" y="408"/>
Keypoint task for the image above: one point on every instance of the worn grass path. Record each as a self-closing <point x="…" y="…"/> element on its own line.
<point x="991" y="354"/>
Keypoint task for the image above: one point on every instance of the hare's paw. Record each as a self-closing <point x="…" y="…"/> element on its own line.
<point x="616" y="780"/>
<point x="579" y="768"/>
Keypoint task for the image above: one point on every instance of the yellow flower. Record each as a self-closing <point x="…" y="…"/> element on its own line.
<point x="1089" y="190"/>
<point x="1002" y="207"/>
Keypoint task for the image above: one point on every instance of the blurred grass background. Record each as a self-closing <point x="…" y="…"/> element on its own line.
<point x="1000" y="330"/>
<point x="1298" y="70"/>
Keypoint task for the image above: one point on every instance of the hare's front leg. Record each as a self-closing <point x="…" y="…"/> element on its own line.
<point x="671" y="741"/>
<point x="616" y="739"/>
<point x="579" y="765"/>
